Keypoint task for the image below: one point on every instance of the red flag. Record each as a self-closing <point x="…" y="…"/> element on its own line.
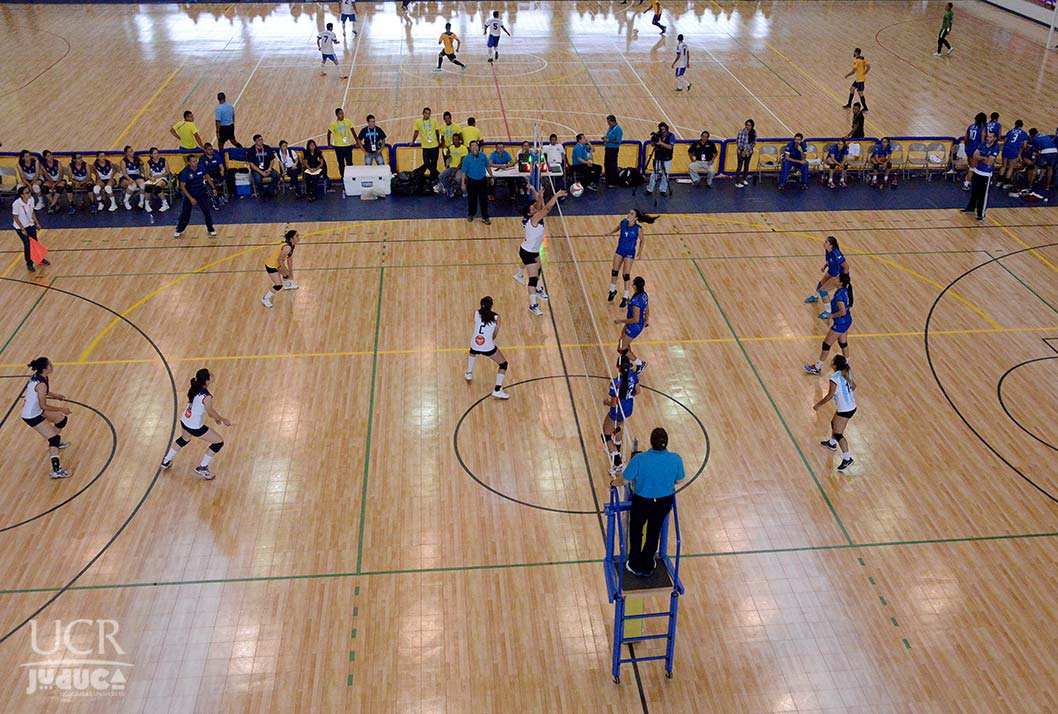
<point x="37" y="252"/>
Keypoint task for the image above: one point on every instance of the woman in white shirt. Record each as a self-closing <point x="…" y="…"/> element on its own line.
<point x="46" y="419"/>
<point x="841" y="389"/>
<point x="24" y="220"/>
<point x="193" y="423"/>
<point x="290" y="164"/>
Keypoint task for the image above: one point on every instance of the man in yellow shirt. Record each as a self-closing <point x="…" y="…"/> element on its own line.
<point x="451" y="43"/>
<point x="427" y="131"/>
<point x="860" y="68"/>
<point x="452" y="177"/>
<point x="655" y="5"/>
<point x="341" y="135"/>
<point x="471" y="132"/>
<point x="187" y="133"/>
<point x="448" y="131"/>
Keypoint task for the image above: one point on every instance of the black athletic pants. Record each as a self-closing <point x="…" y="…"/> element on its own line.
<point x="344" y="155"/>
<point x="25" y="234"/>
<point x="429" y="161"/>
<point x="477" y="197"/>
<point x="610" y="162"/>
<point x="978" y="194"/>
<point x="185" y="212"/>
<point x="650" y="512"/>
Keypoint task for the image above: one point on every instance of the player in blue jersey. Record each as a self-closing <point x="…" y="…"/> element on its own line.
<point x="993" y="124"/>
<point x="975" y="134"/>
<point x="1011" y="154"/>
<point x="629" y="247"/>
<point x="638" y="317"/>
<point x="832" y="269"/>
<point x="623" y="389"/>
<point x="841" y="314"/>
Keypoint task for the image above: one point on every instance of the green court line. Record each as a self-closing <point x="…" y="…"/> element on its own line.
<point x="370" y="421"/>
<point x="1023" y="283"/>
<point x="540" y="564"/>
<point x="771" y="400"/>
<point x="26" y="317"/>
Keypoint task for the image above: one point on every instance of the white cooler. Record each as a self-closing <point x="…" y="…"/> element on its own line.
<point x="359" y="179"/>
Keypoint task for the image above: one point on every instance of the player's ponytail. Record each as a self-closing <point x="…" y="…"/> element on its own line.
<point x="842" y="365"/>
<point x="198" y="382"/>
<point x="846" y="282"/>
<point x="289" y="235"/>
<point x="643" y="217"/>
<point x="39" y="365"/>
<point x="487" y="315"/>
<point x="834" y="242"/>
<point x="640" y="285"/>
<point x="625" y="365"/>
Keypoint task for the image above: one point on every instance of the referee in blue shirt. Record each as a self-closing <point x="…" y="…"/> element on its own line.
<point x="653" y="476"/>
<point x="612" y="148"/>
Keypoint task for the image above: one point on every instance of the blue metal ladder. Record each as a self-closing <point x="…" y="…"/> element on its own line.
<point x="614" y="569"/>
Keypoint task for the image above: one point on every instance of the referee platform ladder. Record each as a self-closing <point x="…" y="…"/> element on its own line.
<point x="622" y="586"/>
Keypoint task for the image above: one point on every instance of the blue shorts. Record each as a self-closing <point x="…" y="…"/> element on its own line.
<point x="626" y="251"/>
<point x="348" y="17"/>
<point x="1010" y="151"/>
<point x="841" y="326"/>
<point x="680" y="71"/>
<point x="1047" y="161"/>
<point x="633" y="331"/>
<point x="332" y="58"/>
<point x="858" y="86"/>
<point x="971" y="149"/>
<point x="618" y="415"/>
<point x="494" y="41"/>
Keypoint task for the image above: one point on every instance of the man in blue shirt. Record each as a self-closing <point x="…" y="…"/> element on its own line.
<point x="585" y="170"/>
<point x="981" y="167"/>
<point x="262" y="166"/>
<point x="1047" y="157"/>
<point x="653" y="476"/>
<point x="193" y="181"/>
<point x="213" y="164"/>
<point x="224" y="118"/>
<point x="610" y="150"/>
<point x="794" y="156"/>
<point x="477" y="172"/>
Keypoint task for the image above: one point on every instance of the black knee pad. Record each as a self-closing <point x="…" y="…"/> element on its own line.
<point x="55" y="441"/>
<point x="837" y="437"/>
<point x="503" y="366"/>
<point x="607" y="438"/>
<point x="826" y="347"/>
<point x="613" y="273"/>
<point x="623" y="352"/>
<point x="627" y="277"/>
<point x="215" y="448"/>
<point x="843" y="345"/>
<point x="276" y="288"/>
<point x="533" y="282"/>
<point x="181" y="442"/>
<point x="62" y="423"/>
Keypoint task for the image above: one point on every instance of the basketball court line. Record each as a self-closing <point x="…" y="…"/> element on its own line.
<point x="247" y="83"/>
<point x="370" y="423"/>
<point x="1023" y="244"/>
<point x="1014" y="275"/>
<point x="14" y="262"/>
<point x="650" y="94"/>
<point x="749" y="91"/>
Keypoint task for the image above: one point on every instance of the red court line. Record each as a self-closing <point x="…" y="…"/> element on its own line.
<point x="503" y="111"/>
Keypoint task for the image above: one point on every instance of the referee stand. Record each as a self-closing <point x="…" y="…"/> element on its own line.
<point x="623" y="591"/>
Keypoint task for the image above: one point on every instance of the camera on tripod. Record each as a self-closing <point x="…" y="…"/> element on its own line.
<point x="655" y="137"/>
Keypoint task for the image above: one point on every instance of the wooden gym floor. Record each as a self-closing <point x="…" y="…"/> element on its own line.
<point x="345" y="560"/>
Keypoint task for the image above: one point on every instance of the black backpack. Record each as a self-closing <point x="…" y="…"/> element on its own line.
<point x="629" y="177"/>
<point x="405" y="183"/>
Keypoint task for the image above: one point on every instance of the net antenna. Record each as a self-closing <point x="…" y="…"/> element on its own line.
<point x="594" y="357"/>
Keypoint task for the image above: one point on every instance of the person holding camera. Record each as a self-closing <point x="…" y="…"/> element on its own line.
<point x="703" y="157"/>
<point x="661" y="143"/>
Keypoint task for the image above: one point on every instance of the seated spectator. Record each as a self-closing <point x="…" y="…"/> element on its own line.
<point x="80" y="180"/>
<point x="452" y="176"/>
<point x="557" y="161"/>
<point x="315" y="172"/>
<point x="53" y="182"/>
<point x="290" y="165"/>
<point x="524" y="162"/>
<point x="703" y="158"/>
<point x="837" y="159"/>
<point x="132" y="179"/>
<point x="105" y="181"/>
<point x="793" y="157"/>
<point x="882" y="163"/>
<point x="29" y="174"/>
<point x="500" y="158"/>
<point x="585" y="170"/>
<point x="262" y="167"/>
<point x="158" y="177"/>
<point x="372" y="141"/>
<point x="212" y="162"/>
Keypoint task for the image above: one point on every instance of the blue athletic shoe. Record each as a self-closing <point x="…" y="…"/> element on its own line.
<point x="825" y="315"/>
<point x="812" y="298"/>
<point x="812" y="369"/>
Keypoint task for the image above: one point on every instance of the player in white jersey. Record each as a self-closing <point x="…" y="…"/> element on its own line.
<point x="193" y="423"/>
<point x="325" y="42"/>
<point x="46" y="419"/>
<point x="681" y="63"/>
<point x="347" y="11"/>
<point x="483" y="342"/>
<point x="841" y="389"/>
<point x="529" y="250"/>
<point x="493" y="26"/>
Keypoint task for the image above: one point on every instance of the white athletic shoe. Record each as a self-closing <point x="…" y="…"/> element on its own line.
<point x="500" y="394"/>
<point x="60" y="473"/>
<point x="128" y="206"/>
<point x="520" y="277"/>
<point x="541" y="295"/>
<point x="469" y="376"/>
<point x="204" y="473"/>
<point x="535" y="309"/>
<point x="143" y="200"/>
<point x="950" y="50"/>
<point x="146" y="207"/>
<point x="936" y="54"/>
<point x="113" y="205"/>
<point x="165" y="206"/>
<point x="177" y="234"/>
<point x="64" y="445"/>
<point x="39" y="205"/>
<point x="266" y="302"/>
<point x="99" y="205"/>
<point x="166" y="465"/>
<point x="290" y="285"/>
<point x="212" y="234"/>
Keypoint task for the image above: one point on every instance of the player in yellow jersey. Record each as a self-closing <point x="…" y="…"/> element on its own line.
<point x="860" y="68"/>
<point x="655" y="5"/>
<point x="280" y="264"/>
<point x="451" y="43"/>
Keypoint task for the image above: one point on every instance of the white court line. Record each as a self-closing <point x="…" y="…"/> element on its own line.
<point x="755" y="97"/>
<point x="650" y="94"/>
<point x="247" y="84"/>
<point x="352" y="64"/>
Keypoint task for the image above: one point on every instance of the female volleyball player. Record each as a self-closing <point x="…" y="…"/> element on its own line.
<point x="629" y="247"/>
<point x="834" y="266"/>
<point x="47" y="419"/>
<point x="157" y="180"/>
<point x="105" y="181"/>
<point x="638" y="317"/>
<point x="80" y="180"/>
<point x="53" y="180"/>
<point x="132" y="177"/>
<point x="529" y="250"/>
<point x="483" y="342"/>
<point x="29" y="175"/>
<point x="280" y="265"/>
<point x="193" y="423"/>
<point x="841" y="313"/>
<point x="840" y="389"/>
<point x="623" y="388"/>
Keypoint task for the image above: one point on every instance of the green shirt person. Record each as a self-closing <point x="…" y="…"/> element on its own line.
<point x="945" y="30"/>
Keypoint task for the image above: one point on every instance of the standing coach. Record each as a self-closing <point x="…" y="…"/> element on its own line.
<point x="192" y="185"/>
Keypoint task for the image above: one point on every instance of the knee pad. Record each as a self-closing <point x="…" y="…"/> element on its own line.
<point x="623" y="352"/>
<point x="533" y="282"/>
<point x="837" y="437"/>
<point x="843" y="345"/>
<point x="607" y="438"/>
<point x="613" y="273"/>
<point x="215" y="448"/>
<point x="181" y="442"/>
<point x="826" y="347"/>
<point x="277" y="288"/>
<point x="96" y="190"/>
<point x="109" y="189"/>
<point x="36" y="189"/>
<point x="60" y="424"/>
<point x="503" y="366"/>
<point x="55" y="441"/>
<point x="627" y="277"/>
